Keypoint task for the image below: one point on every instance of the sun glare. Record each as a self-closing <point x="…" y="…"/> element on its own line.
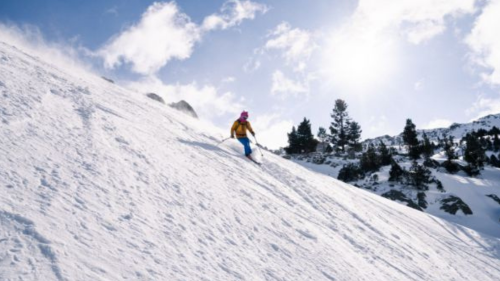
<point x="359" y="63"/>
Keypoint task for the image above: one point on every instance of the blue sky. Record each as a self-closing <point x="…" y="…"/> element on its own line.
<point x="435" y="61"/>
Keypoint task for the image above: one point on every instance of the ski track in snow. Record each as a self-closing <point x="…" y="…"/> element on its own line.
<point x="99" y="183"/>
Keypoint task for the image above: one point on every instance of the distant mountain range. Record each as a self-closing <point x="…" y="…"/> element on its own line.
<point x="456" y="130"/>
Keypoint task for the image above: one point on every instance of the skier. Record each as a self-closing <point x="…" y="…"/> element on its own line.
<point x="240" y="127"/>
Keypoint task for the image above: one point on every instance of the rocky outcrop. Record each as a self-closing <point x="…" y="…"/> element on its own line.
<point x="184" y="107"/>
<point x="155" y="97"/>
<point x="453" y="204"/>
<point x="396" y="195"/>
<point x="107" y="79"/>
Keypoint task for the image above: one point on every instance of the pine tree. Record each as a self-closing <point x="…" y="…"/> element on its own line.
<point x="449" y="147"/>
<point x="410" y="133"/>
<point x="481" y="133"/>
<point x="427" y="147"/>
<point x="350" y="172"/>
<point x="485" y="143"/>
<point x="396" y="173"/>
<point x="292" y="142"/>
<point x="489" y="144"/>
<point x="410" y="139"/>
<point x="494" y="161"/>
<point x="474" y="154"/>
<point x="439" y="142"/>
<point x="306" y="141"/>
<point x="369" y="161"/>
<point x="324" y="140"/>
<point x="419" y="176"/>
<point x="301" y="140"/>
<point x="384" y="154"/>
<point x="353" y="136"/>
<point x="322" y="136"/>
<point x="339" y="126"/>
<point x="494" y="131"/>
<point x="496" y="142"/>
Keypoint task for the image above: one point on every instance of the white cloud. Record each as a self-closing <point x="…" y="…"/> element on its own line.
<point x="484" y="106"/>
<point x="233" y="12"/>
<point x="424" y="31"/>
<point x="418" y="20"/>
<point x="271" y="130"/>
<point x="205" y="100"/>
<point x="284" y="87"/>
<point x="162" y="34"/>
<point x="297" y="45"/>
<point x="484" y="42"/>
<point x="438" y="123"/>
<point x="30" y="39"/>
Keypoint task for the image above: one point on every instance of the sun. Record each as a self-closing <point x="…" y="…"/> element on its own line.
<point x="359" y="62"/>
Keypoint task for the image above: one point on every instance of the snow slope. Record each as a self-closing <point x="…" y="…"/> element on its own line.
<point x="98" y="183"/>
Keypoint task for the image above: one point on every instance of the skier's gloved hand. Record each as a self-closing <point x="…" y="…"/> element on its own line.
<point x="253" y="134"/>
<point x="232" y="136"/>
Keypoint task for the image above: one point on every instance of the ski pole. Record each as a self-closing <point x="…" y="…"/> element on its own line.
<point x="257" y="142"/>
<point x="223" y="141"/>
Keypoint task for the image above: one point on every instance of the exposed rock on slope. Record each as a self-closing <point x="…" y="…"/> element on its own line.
<point x="185" y="107"/>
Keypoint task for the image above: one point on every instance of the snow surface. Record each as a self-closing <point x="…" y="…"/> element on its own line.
<point x="473" y="191"/>
<point x="99" y="183"/>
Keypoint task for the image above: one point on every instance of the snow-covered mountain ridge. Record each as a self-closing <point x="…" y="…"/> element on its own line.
<point x="456" y="130"/>
<point x="99" y="183"/>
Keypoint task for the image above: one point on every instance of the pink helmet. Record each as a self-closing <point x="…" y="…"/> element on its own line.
<point x="244" y="115"/>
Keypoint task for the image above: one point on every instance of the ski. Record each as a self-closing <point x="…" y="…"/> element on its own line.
<point x="251" y="159"/>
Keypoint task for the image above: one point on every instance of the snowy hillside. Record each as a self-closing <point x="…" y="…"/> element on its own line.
<point x="449" y="192"/>
<point x="99" y="183"/>
<point x="478" y="194"/>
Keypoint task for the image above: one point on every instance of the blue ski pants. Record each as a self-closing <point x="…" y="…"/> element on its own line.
<point x="246" y="144"/>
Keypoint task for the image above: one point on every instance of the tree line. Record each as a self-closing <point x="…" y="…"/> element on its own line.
<point x="344" y="134"/>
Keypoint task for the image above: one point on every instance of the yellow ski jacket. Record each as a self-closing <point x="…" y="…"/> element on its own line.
<point x="240" y="128"/>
